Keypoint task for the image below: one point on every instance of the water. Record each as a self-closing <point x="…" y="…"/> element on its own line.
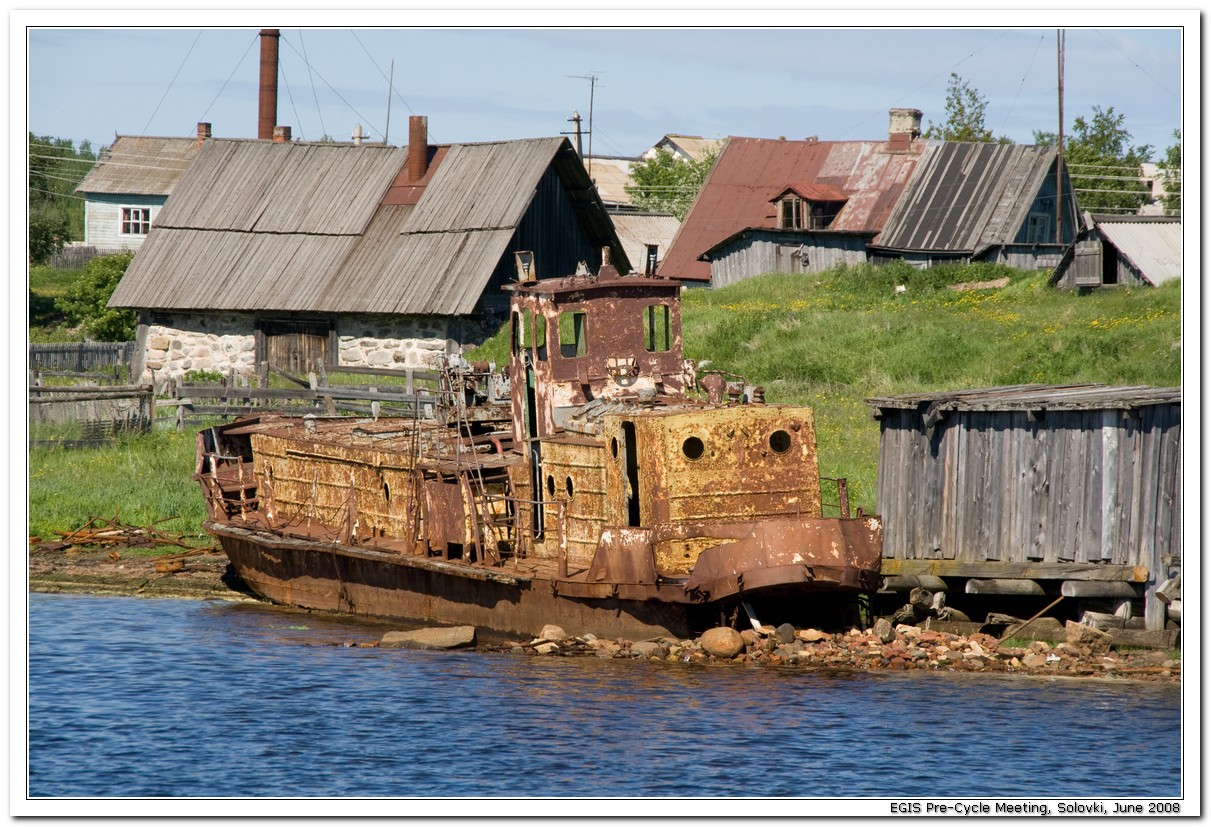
<point x="149" y="698"/>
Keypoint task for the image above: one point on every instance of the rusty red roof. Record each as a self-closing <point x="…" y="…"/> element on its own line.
<point x="750" y="172"/>
<point x="814" y="192"/>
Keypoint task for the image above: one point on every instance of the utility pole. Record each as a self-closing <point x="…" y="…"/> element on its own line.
<point x="1059" y="162"/>
<point x="575" y="121"/>
<point x="592" y="79"/>
<point x="390" y="85"/>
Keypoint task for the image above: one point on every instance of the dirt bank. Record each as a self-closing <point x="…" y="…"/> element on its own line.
<point x="198" y="574"/>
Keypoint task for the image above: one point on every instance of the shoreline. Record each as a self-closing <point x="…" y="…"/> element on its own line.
<point x="202" y="574"/>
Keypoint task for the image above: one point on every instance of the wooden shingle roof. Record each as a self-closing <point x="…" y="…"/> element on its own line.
<point x="315" y="228"/>
<point x="138" y="165"/>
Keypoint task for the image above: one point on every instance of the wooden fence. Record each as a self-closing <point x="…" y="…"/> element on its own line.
<point x="96" y="412"/>
<point x="419" y="395"/>
<point x="81" y="357"/>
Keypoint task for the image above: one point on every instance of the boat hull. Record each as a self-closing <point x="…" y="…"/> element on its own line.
<point x="350" y="579"/>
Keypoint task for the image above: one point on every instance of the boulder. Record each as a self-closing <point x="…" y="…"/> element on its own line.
<point x="785" y="633"/>
<point x="452" y="637"/>
<point x="552" y="632"/>
<point x="648" y="649"/>
<point x="547" y="648"/>
<point x="722" y="642"/>
<point x="883" y="630"/>
<point x="1095" y="640"/>
<point x="813" y="635"/>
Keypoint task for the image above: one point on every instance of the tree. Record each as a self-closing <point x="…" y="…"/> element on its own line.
<point x="85" y="301"/>
<point x="1172" y="165"/>
<point x="666" y="183"/>
<point x="1103" y="165"/>
<point x="56" y="167"/>
<point x="964" y="116"/>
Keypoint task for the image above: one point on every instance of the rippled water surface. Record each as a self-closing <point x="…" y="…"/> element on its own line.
<point x="150" y="698"/>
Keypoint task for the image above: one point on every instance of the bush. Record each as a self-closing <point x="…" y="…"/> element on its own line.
<point x="85" y="301"/>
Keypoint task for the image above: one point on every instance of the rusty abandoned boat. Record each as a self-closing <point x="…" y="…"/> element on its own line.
<point x="591" y="486"/>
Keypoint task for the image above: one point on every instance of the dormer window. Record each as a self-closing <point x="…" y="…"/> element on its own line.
<point x="790" y="213"/>
<point x="808" y="206"/>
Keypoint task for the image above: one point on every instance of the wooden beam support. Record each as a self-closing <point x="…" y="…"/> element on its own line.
<point x="1032" y="571"/>
<point x="1098" y="588"/>
<point x="1000" y="585"/>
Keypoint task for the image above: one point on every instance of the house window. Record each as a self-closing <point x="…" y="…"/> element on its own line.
<point x="136" y="220"/>
<point x="790" y="214"/>
<point x="1037" y="226"/>
<point x="822" y="213"/>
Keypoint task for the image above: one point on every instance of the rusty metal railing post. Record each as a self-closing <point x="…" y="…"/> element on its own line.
<point x="843" y="497"/>
<point x="563" y="539"/>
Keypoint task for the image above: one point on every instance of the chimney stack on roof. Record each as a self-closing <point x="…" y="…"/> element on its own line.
<point x="268" y="101"/>
<point x="904" y="127"/>
<point x="203" y="132"/>
<point x="281" y="134"/>
<point x="418" y="147"/>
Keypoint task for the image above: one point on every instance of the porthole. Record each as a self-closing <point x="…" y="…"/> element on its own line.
<point x="780" y="441"/>
<point x="693" y="448"/>
<point x="550" y="485"/>
<point x="571" y="490"/>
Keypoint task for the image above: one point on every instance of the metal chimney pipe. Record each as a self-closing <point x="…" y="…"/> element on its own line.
<point x="418" y="147"/>
<point x="268" y="101"/>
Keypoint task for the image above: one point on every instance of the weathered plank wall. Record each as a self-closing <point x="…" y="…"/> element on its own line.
<point x="750" y="256"/>
<point x="1036" y="491"/>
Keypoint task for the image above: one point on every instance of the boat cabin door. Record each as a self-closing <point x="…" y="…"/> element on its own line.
<point x="630" y="468"/>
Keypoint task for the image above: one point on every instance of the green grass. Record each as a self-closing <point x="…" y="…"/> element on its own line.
<point x="46" y="323"/>
<point x="141" y="478"/>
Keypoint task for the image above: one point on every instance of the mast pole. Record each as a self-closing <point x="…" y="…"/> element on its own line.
<point x="1059" y="163"/>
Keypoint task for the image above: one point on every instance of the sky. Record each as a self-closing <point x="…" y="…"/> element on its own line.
<point x="740" y="75"/>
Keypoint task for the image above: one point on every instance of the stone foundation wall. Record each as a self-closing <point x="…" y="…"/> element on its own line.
<point x="177" y="344"/>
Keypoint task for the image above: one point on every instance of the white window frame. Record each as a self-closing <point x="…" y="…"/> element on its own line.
<point x="135" y="221"/>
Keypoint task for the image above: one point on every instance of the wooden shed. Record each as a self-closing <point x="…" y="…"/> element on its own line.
<point x="1122" y="250"/>
<point x="1046" y="490"/>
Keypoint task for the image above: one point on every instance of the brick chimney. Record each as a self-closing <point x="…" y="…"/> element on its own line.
<point x="203" y="132"/>
<point x="268" y="100"/>
<point x="904" y="127"/>
<point x="418" y="147"/>
<point x="281" y="134"/>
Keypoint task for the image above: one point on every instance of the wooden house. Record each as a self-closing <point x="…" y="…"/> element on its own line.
<point x="1122" y="250"/>
<point x="808" y="206"/>
<point x="363" y="255"/>
<point x="1036" y="491"/>
<point x="980" y="202"/>
<point x="128" y="186"/>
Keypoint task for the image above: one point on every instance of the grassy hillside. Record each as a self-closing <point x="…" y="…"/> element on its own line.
<point x="831" y="340"/>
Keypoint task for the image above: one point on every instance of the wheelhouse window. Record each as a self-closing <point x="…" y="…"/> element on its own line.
<point x="656" y="328"/>
<point x="572" y="336"/>
<point x="136" y="220"/>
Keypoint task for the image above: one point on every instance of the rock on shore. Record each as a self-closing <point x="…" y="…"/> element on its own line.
<point x="884" y="646"/>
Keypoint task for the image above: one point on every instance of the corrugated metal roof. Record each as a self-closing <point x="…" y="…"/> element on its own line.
<point x="637" y="230"/>
<point x="137" y="165"/>
<point x="1153" y="247"/>
<point x="320" y="228"/>
<point x="965" y="197"/>
<point x="612" y="176"/>
<point x="751" y="171"/>
<point x="695" y="146"/>
<point x="1035" y="397"/>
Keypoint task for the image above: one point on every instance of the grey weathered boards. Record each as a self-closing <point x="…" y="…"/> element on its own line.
<point x="1049" y="483"/>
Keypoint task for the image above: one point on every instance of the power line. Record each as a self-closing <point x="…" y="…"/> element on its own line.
<point x="171" y="82"/>
<point x="334" y="89"/>
<point x="1137" y="66"/>
<point x="229" y="77"/>
<point x="314" y="94"/>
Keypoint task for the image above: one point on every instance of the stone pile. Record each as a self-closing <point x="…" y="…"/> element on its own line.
<point x="1087" y="652"/>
